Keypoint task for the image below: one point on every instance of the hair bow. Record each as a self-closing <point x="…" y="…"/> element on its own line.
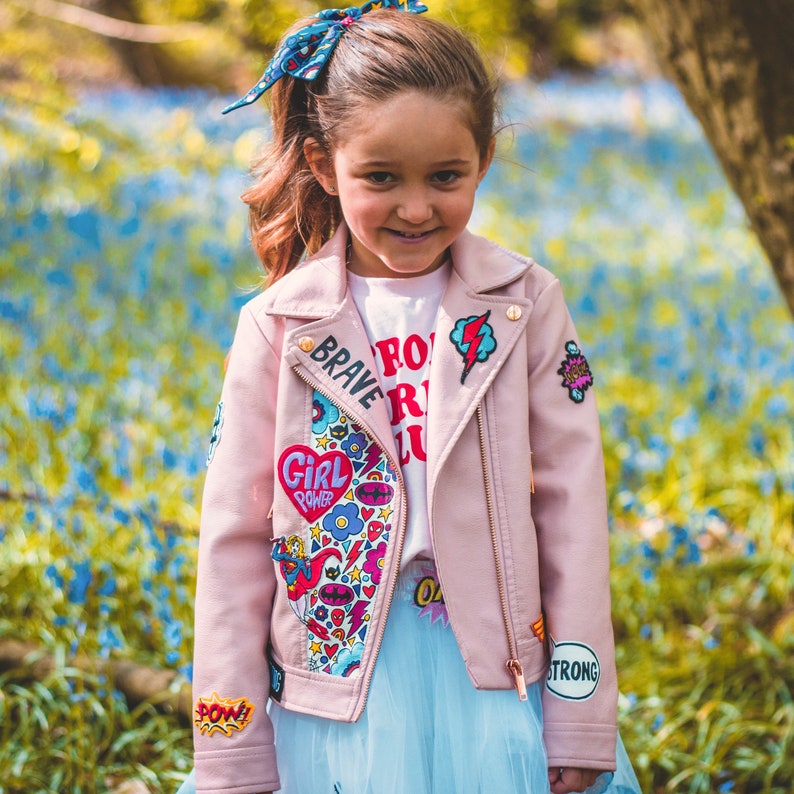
<point x="304" y="53"/>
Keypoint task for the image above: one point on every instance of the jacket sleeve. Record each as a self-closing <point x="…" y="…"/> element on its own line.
<point x="570" y="513"/>
<point x="233" y="735"/>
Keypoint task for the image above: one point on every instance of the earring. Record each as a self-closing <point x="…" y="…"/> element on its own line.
<point x="331" y="189"/>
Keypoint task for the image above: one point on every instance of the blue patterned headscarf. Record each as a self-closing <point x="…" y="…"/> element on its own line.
<point x="304" y="53"/>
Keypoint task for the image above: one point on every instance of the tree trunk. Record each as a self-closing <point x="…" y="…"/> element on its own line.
<point x="733" y="61"/>
<point x="147" y="63"/>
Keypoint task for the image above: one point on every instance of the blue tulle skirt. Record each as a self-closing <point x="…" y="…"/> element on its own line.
<point x="425" y="729"/>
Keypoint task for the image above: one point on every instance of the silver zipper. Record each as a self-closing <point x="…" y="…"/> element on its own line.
<point x="513" y="664"/>
<point x="399" y="552"/>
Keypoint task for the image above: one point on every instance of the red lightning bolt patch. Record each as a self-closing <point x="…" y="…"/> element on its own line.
<point x="474" y="339"/>
<point x="353" y="554"/>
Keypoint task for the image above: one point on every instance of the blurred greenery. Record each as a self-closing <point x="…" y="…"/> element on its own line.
<point x="224" y="44"/>
<point x="124" y="260"/>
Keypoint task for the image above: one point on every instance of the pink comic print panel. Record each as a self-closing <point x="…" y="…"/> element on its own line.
<point x="344" y="488"/>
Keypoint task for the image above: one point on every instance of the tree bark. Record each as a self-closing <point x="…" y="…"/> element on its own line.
<point x="147" y="63"/>
<point x="733" y="61"/>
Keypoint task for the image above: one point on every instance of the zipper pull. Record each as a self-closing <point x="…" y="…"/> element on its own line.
<point x="517" y="671"/>
<point x="531" y="476"/>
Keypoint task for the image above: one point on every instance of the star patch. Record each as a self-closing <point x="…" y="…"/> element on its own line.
<point x="474" y="339"/>
<point x="575" y="371"/>
<point x="215" y="438"/>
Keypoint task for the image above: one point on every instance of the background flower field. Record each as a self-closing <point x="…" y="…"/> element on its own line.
<point x="123" y="263"/>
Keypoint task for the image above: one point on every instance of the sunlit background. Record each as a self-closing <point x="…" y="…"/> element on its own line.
<point x="124" y="261"/>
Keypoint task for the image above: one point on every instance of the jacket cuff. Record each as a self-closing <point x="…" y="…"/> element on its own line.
<point x="566" y="741"/>
<point x="246" y="770"/>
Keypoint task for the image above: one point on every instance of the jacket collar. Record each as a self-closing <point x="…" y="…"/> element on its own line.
<point x="316" y="292"/>
<point x="316" y="288"/>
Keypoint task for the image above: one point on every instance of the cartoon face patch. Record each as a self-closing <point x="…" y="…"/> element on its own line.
<point x="215" y="438"/>
<point x="345" y="491"/>
<point x="217" y="714"/>
<point x="474" y="339"/>
<point x="575" y="371"/>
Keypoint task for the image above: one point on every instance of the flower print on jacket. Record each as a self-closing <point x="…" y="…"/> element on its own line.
<point x="324" y="413"/>
<point x="374" y="562"/>
<point x="354" y="445"/>
<point x="343" y="521"/>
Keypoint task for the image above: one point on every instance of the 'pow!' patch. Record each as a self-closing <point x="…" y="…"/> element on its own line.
<point x="221" y="715"/>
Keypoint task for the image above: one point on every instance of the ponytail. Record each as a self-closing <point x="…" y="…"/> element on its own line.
<point x="290" y="215"/>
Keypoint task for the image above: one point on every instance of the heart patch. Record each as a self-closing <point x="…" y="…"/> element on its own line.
<point x="313" y="483"/>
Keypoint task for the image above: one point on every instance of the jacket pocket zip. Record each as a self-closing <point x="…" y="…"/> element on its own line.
<point x="513" y="664"/>
<point x="398" y="553"/>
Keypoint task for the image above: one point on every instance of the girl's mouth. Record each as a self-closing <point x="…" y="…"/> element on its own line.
<point x="412" y="235"/>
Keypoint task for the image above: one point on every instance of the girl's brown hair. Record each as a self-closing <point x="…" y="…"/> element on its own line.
<point x="381" y="54"/>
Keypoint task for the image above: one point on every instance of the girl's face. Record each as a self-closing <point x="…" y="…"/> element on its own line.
<point x="405" y="174"/>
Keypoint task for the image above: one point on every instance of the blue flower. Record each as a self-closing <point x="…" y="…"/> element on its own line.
<point x="776" y="406"/>
<point x="657" y="722"/>
<point x="343" y="521"/>
<point x="173" y="633"/>
<point x="354" y="445"/>
<point x="324" y="413"/>
<point x="80" y="583"/>
<point x="109" y="640"/>
<point x="52" y="572"/>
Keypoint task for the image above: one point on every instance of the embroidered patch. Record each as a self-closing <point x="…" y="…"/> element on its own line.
<point x="428" y="596"/>
<point x="574" y="671"/>
<point x="344" y="487"/>
<point x="215" y="438"/>
<point x="353" y="376"/>
<point x="575" y="371"/>
<point x="539" y="629"/>
<point x="220" y="714"/>
<point x="314" y="482"/>
<point x="276" y="680"/>
<point x="474" y="339"/>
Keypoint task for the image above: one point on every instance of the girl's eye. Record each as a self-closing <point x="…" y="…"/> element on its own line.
<point x="446" y="177"/>
<point x="380" y="177"/>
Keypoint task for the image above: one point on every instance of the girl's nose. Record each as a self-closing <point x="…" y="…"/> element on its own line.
<point x="414" y="207"/>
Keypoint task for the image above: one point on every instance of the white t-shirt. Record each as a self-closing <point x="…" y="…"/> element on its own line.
<point x="399" y="315"/>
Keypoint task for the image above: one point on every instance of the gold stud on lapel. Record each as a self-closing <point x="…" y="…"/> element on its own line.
<point x="513" y="312"/>
<point x="306" y="344"/>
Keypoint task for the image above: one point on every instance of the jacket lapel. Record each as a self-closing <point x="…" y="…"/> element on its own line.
<point x="475" y="333"/>
<point x="329" y="348"/>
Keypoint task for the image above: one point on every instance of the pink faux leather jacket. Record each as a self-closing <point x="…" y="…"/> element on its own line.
<point x="304" y="512"/>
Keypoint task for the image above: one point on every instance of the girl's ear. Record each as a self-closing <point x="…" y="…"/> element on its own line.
<point x="485" y="162"/>
<point x="320" y="163"/>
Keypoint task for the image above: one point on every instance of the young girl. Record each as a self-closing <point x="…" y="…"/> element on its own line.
<point x="403" y="579"/>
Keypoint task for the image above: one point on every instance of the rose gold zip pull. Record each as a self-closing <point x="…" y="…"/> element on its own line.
<point x="517" y="671"/>
<point x="531" y="476"/>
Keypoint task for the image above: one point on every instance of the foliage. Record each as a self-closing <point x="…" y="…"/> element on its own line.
<point x="123" y="262"/>
<point x="224" y="43"/>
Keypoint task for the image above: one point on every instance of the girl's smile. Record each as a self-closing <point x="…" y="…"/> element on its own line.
<point x="406" y="173"/>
